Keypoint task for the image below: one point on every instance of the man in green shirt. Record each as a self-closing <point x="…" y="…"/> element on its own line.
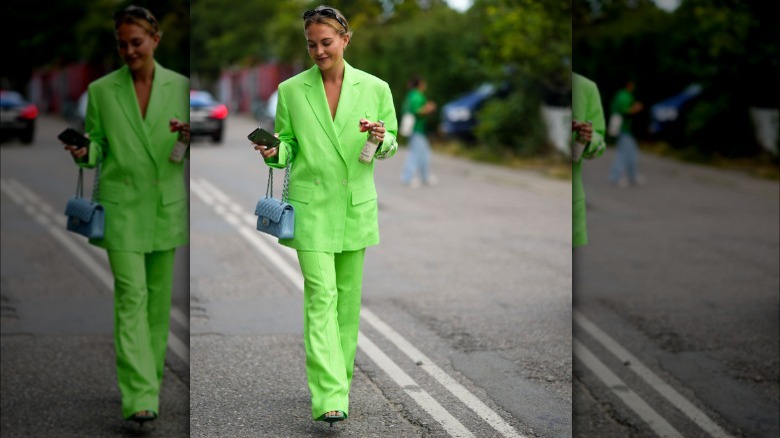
<point x="419" y="158"/>
<point x="627" y="152"/>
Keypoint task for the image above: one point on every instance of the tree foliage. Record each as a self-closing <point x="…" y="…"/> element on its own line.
<point x="523" y="41"/>
<point x="52" y="34"/>
<point x="730" y="47"/>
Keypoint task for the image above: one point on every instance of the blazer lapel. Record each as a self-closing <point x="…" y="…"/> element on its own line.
<point x="315" y="95"/>
<point x="125" y="96"/>
<point x="350" y="93"/>
<point x="155" y="112"/>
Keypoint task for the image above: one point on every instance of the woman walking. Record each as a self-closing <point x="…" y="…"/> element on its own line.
<point x="321" y="119"/>
<point x="134" y="118"/>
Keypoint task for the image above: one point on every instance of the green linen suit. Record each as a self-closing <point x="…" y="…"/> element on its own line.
<point x="586" y="105"/>
<point x="335" y="203"/>
<point x="146" y="211"/>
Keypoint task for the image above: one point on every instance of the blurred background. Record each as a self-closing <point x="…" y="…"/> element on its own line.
<point x="676" y="304"/>
<point x="497" y="62"/>
<point x="58" y="361"/>
<point x="706" y="71"/>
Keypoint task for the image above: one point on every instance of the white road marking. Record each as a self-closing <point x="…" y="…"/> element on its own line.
<point x="655" y="382"/>
<point x="34" y="205"/>
<point x="436" y="410"/>
<point x="265" y="243"/>
<point x="458" y="390"/>
<point x="657" y="423"/>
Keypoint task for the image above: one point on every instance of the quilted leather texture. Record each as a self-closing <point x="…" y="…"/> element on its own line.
<point x="85" y="217"/>
<point x="275" y="218"/>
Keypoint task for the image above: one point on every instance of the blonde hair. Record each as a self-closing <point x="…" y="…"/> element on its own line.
<point x="138" y="16"/>
<point x="328" y="16"/>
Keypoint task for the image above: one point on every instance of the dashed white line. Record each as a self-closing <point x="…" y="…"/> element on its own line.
<point x="207" y="191"/>
<point x="655" y="382"/>
<point x="34" y="205"/>
<point x="657" y="423"/>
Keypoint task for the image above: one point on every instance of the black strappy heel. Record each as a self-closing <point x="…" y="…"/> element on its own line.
<point x="333" y="418"/>
<point x="142" y="417"/>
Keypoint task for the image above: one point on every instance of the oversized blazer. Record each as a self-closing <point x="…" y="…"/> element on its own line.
<point x="333" y="194"/>
<point x="586" y="105"/>
<point x="143" y="193"/>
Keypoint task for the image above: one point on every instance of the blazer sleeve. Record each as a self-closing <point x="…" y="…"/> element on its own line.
<point x="283" y="125"/>
<point x="597" y="144"/>
<point x="389" y="146"/>
<point x="94" y="126"/>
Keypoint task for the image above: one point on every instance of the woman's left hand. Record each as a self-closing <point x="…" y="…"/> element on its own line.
<point x="586" y="132"/>
<point x="182" y="127"/>
<point x="375" y="127"/>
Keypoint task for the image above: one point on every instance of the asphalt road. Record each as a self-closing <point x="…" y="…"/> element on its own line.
<point x="466" y="323"/>
<point x="58" y="372"/>
<point x="676" y="302"/>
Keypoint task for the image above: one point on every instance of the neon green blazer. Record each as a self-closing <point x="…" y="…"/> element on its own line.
<point x="586" y="105"/>
<point x="143" y="193"/>
<point x="333" y="193"/>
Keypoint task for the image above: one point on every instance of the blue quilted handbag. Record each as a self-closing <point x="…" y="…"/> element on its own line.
<point x="86" y="217"/>
<point x="275" y="216"/>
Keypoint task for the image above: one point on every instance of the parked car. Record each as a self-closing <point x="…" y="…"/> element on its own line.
<point x="458" y="117"/>
<point x="207" y="115"/>
<point x="17" y="116"/>
<point x="666" y="116"/>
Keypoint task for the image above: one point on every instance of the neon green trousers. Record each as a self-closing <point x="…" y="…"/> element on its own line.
<point x="142" y="308"/>
<point x="332" y="285"/>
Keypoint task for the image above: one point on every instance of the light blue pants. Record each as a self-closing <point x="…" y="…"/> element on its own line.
<point x="626" y="157"/>
<point x="418" y="160"/>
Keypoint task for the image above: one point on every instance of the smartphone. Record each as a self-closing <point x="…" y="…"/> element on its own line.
<point x="72" y="137"/>
<point x="262" y="137"/>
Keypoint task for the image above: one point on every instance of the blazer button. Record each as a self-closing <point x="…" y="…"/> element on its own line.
<point x="344" y="182"/>
<point x="317" y="182"/>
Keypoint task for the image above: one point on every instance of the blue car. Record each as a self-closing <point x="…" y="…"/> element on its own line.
<point x="458" y="118"/>
<point x="665" y="116"/>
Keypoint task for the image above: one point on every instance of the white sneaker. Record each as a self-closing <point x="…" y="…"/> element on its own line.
<point x="640" y="180"/>
<point x="414" y="183"/>
<point x="432" y="180"/>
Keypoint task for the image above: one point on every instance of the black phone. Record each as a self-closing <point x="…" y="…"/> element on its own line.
<point x="262" y="137"/>
<point x="72" y="137"/>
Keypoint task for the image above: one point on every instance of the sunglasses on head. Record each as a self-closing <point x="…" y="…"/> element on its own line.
<point x="326" y="12"/>
<point x="135" y="12"/>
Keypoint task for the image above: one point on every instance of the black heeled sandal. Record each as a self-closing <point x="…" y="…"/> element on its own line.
<point x="334" y="418"/>
<point x="142" y="417"/>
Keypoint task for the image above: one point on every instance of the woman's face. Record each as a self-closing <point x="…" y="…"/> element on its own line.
<point x="136" y="46"/>
<point x="326" y="46"/>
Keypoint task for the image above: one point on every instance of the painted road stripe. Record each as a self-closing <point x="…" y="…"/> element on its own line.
<point x="264" y="245"/>
<point x="436" y="410"/>
<point x="33" y="204"/>
<point x="655" y="382"/>
<point x="458" y="390"/>
<point x="657" y="423"/>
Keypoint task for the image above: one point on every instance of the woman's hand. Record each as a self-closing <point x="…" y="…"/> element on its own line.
<point x="78" y="153"/>
<point x="182" y="127"/>
<point x="375" y="127"/>
<point x="586" y="132"/>
<point x="265" y="151"/>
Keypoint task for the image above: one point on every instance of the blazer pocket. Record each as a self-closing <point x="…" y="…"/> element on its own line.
<point x="362" y="195"/>
<point x="112" y="192"/>
<point x="172" y="194"/>
<point x="300" y="193"/>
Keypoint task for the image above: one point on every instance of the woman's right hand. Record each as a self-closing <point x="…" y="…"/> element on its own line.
<point x="78" y="153"/>
<point x="265" y="151"/>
